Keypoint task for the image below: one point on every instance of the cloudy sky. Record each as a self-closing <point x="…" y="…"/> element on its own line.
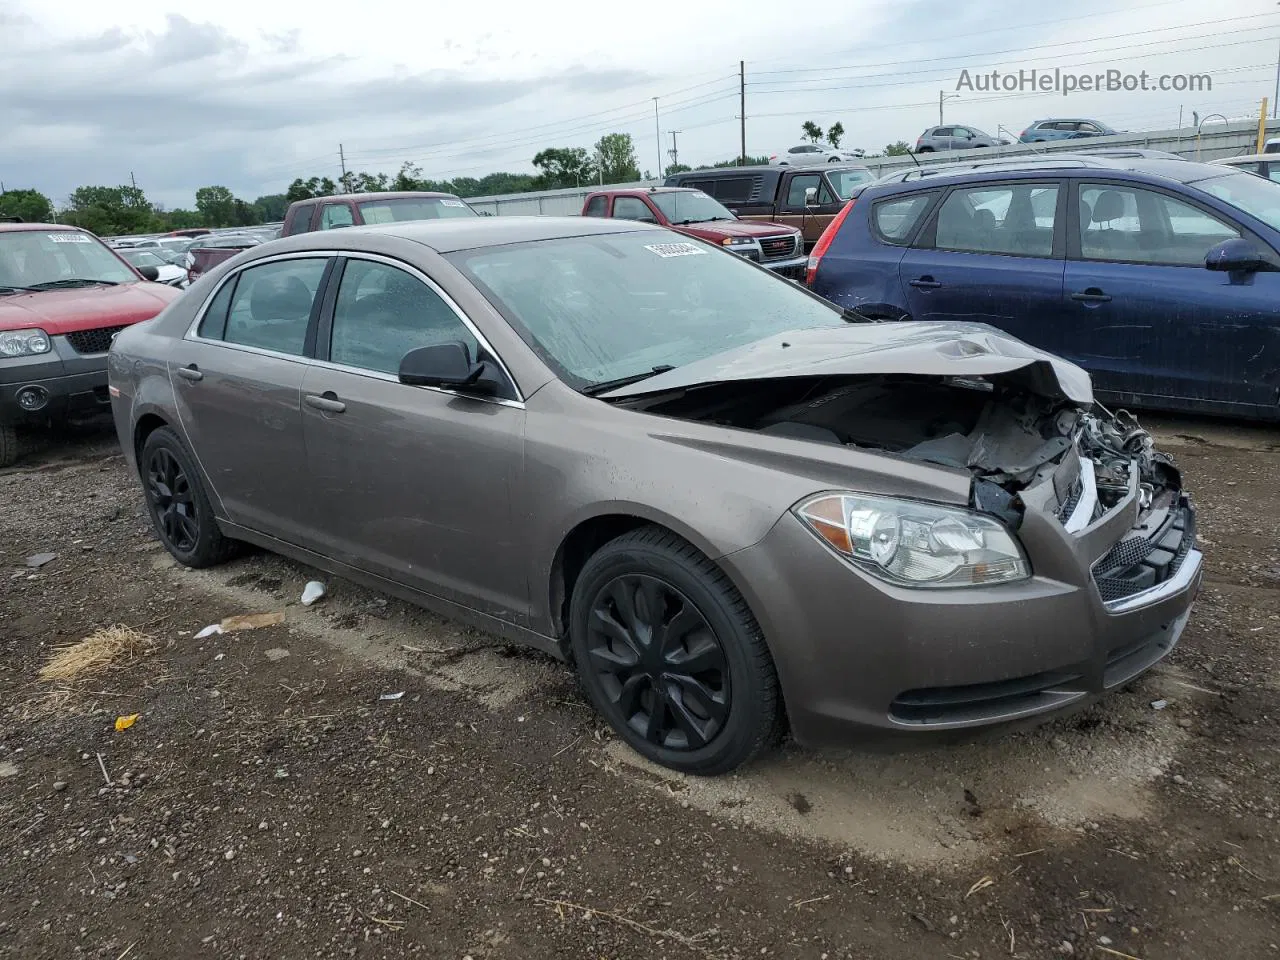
<point x="251" y="95"/>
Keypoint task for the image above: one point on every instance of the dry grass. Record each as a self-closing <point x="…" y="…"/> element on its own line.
<point x="102" y="651"/>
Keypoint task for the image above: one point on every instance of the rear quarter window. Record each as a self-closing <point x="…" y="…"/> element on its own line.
<point x="894" y="219"/>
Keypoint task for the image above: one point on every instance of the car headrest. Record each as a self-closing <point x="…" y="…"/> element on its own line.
<point x="279" y="298"/>
<point x="1109" y="206"/>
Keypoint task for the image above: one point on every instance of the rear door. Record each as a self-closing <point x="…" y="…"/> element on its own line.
<point x="412" y="483"/>
<point x="992" y="253"/>
<point x="1146" y="317"/>
<point x="237" y="379"/>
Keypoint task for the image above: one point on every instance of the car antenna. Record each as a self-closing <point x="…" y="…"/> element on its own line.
<point x="912" y="155"/>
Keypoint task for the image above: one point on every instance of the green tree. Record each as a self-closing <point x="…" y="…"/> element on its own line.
<point x="835" y="133"/>
<point x="616" y="155"/>
<point x="315" y="187"/>
<point x="564" y="167"/>
<point x="899" y="149"/>
<point x="812" y="131"/>
<point x="674" y="168"/>
<point x="352" y="182"/>
<point x="736" y="162"/>
<point x="217" y="205"/>
<point x="181" y="219"/>
<point x="31" y="205"/>
<point x="110" y="211"/>
<point x="271" y="207"/>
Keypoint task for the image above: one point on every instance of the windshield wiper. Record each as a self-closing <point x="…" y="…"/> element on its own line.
<point x="72" y="282"/>
<point x="852" y="315"/>
<point x="14" y="288"/>
<point x="605" y="386"/>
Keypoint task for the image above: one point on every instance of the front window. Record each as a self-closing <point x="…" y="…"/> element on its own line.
<point x="602" y="308"/>
<point x="414" y="208"/>
<point x="1143" y="226"/>
<point x="692" y="206"/>
<point x="142" y="258"/>
<point x="845" y="181"/>
<point x="1245" y="191"/>
<point x="42" y="259"/>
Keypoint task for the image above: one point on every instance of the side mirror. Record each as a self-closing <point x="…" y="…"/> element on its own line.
<point x="446" y="365"/>
<point x="1235" y="255"/>
<point x="810" y="196"/>
<point x="150" y="273"/>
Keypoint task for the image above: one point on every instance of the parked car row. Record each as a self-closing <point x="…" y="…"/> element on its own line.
<point x="961" y="137"/>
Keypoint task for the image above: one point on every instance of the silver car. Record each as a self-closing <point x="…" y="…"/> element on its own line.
<point x="955" y="137"/>
<point x="726" y="502"/>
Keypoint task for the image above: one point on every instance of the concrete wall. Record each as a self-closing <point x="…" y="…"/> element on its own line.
<point x="1215" y="141"/>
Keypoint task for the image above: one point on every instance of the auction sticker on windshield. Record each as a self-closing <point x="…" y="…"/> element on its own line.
<point x="452" y="203"/>
<point x="675" y="249"/>
<point x="68" y="237"/>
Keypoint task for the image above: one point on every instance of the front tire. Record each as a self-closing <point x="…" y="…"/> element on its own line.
<point x="178" y="505"/>
<point x="670" y="655"/>
<point x="8" y="445"/>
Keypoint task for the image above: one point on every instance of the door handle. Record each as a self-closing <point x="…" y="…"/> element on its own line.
<point x="327" y="401"/>
<point x="190" y="372"/>
<point x="925" y="283"/>
<point x="1091" y="295"/>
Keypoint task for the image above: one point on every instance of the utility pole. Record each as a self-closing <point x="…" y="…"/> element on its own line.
<point x="342" y="162"/>
<point x="742" y="109"/>
<point x="674" y="152"/>
<point x="943" y="97"/>
<point x="132" y="180"/>
<point x="1275" y="104"/>
<point x="657" y="136"/>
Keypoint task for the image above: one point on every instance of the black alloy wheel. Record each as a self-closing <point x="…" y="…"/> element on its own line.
<point x="659" y="663"/>
<point x="172" y="502"/>
<point x="179" y="507"/>
<point x="668" y="651"/>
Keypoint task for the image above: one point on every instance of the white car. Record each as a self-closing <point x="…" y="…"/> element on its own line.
<point x="805" y="154"/>
<point x="169" y="274"/>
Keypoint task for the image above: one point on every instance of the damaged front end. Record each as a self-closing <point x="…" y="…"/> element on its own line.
<point x="1025" y="449"/>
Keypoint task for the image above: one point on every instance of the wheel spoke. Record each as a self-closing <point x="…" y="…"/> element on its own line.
<point x="621" y="593"/>
<point x="602" y="619"/>
<point x="686" y="621"/>
<point x="657" y="717"/>
<point x="628" y="699"/>
<point x="702" y="655"/>
<point x="696" y="730"/>
<point x="618" y="658"/>
<point x="650" y="604"/>
<point x="696" y="694"/>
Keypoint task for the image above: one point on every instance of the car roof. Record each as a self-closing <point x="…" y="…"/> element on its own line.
<point x="42" y="227"/>
<point x="458" y="233"/>
<point x="641" y="191"/>
<point x="388" y="195"/>
<point x="1247" y="158"/>
<point x="1151" y="169"/>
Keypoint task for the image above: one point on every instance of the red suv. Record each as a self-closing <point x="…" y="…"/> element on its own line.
<point x="696" y="214"/>
<point x="64" y="294"/>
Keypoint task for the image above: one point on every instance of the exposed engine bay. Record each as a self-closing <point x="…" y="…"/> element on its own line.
<point x="1007" y="437"/>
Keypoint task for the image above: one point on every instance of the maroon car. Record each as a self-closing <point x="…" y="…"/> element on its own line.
<point x="359" y="209"/>
<point x="694" y="213"/>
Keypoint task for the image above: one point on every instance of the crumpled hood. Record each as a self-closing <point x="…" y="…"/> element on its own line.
<point x="84" y="308"/>
<point x="877" y="349"/>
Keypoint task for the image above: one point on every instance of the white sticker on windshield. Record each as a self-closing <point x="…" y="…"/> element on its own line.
<point x="69" y="237"/>
<point x="675" y="249"/>
<point x="452" y="203"/>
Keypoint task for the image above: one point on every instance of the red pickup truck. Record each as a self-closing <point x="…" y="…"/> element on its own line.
<point x="64" y="295"/>
<point x="693" y="213"/>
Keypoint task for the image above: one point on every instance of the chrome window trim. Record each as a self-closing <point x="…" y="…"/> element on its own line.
<point x="389" y="378"/>
<point x="192" y="330"/>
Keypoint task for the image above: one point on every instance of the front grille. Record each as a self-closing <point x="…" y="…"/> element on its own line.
<point x="776" y="248"/>
<point x="1141" y="561"/>
<point x="92" y="341"/>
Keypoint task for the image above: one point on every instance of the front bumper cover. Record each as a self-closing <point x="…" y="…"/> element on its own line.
<point x="67" y="382"/>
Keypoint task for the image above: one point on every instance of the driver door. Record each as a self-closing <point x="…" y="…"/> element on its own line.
<point x="412" y="483"/>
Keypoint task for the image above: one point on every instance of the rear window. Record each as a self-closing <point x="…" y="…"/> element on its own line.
<point x="414" y="208"/>
<point x="734" y="189"/>
<point x="895" y="219"/>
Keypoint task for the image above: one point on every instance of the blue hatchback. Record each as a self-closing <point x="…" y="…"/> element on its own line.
<point x="1160" y="277"/>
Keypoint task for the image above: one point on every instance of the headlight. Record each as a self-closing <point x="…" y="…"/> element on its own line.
<point x="915" y="544"/>
<point x="736" y="241"/>
<point x="24" y="343"/>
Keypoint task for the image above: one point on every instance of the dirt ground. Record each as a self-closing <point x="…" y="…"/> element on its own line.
<point x="267" y="802"/>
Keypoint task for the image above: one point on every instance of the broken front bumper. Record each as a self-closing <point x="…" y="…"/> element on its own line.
<point x="856" y="655"/>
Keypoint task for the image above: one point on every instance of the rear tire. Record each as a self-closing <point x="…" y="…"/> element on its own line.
<point x="668" y="652"/>
<point x="925" y="150"/>
<point x="177" y="503"/>
<point x="8" y="445"/>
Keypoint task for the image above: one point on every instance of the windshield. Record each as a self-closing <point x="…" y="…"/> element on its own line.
<point x="603" y="308"/>
<point x="1254" y="195"/>
<point x="142" y="258"/>
<point x="30" y="258"/>
<point x="844" y="181"/>
<point x="413" y="208"/>
<point x="692" y="206"/>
